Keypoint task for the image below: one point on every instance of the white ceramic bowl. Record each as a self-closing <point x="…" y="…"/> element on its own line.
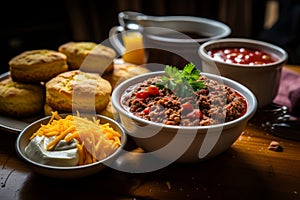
<point x="67" y="172"/>
<point x="182" y="143"/>
<point x="262" y="80"/>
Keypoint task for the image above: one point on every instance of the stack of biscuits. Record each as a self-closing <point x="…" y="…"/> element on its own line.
<point x="79" y="76"/>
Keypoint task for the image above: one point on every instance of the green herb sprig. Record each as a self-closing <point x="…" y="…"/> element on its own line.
<point x="181" y="82"/>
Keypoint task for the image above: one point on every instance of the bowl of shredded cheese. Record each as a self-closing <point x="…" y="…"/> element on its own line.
<point x="71" y="146"/>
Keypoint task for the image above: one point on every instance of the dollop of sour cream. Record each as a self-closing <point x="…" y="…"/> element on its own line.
<point x="63" y="154"/>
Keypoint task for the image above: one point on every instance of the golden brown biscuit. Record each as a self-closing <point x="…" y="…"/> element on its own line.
<point x="88" y="56"/>
<point x="21" y="99"/>
<point x="123" y="71"/>
<point x="48" y="109"/>
<point x="110" y="111"/>
<point x="36" y="66"/>
<point x="78" y="91"/>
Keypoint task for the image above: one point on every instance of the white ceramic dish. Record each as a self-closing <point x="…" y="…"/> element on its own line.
<point x="67" y="172"/>
<point x="181" y="143"/>
<point x="262" y="80"/>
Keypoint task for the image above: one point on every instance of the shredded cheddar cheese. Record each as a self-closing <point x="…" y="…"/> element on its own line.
<point x="95" y="141"/>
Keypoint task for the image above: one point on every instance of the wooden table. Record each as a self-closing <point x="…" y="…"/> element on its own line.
<point x="248" y="170"/>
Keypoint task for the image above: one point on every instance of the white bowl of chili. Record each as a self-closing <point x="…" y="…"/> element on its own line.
<point x="175" y="129"/>
<point x="255" y="64"/>
<point x="69" y="159"/>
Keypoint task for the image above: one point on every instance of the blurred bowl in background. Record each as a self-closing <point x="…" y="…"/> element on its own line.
<point x="172" y="40"/>
<point x="262" y="78"/>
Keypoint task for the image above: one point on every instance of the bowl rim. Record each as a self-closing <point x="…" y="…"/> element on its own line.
<point x="78" y="167"/>
<point x="122" y="87"/>
<point x="225" y="29"/>
<point x="202" y="51"/>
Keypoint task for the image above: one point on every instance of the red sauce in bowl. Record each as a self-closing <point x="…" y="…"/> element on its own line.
<point x="240" y="55"/>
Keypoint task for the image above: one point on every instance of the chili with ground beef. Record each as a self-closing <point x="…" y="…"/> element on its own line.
<point x="214" y="104"/>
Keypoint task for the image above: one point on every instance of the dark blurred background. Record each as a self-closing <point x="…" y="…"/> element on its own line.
<point x="27" y="25"/>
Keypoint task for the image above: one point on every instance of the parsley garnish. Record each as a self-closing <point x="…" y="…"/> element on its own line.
<point x="181" y="82"/>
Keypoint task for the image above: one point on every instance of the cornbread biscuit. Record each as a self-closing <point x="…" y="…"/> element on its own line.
<point x="88" y="56"/>
<point x="21" y="99"/>
<point x="110" y="111"/>
<point x="79" y="91"/>
<point x="36" y="66"/>
<point x="48" y="109"/>
<point x="123" y="71"/>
